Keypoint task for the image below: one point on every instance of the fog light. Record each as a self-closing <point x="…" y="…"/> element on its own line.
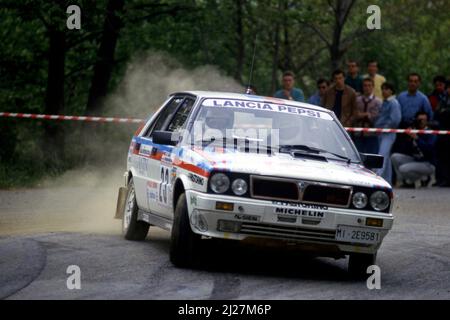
<point x="202" y="225"/>
<point x="224" y="206"/>
<point x="199" y="221"/>
<point x="228" y="226"/>
<point x="373" y="222"/>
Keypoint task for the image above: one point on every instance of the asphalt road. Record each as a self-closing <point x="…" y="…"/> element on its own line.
<point x="69" y="222"/>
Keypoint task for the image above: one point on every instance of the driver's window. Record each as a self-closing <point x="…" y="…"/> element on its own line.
<point x="165" y="116"/>
<point x="181" y="116"/>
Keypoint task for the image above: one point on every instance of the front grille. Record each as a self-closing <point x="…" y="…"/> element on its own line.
<point x="274" y="189"/>
<point x="324" y="194"/>
<point x="286" y="232"/>
<point x="282" y="189"/>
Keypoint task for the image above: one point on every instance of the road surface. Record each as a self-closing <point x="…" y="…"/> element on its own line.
<point x="69" y="222"/>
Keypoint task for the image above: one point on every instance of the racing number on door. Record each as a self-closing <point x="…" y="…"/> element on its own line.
<point x="163" y="186"/>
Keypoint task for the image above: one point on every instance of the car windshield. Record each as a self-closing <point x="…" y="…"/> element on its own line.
<point x="284" y="128"/>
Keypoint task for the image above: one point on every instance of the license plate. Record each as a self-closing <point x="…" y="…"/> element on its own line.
<point x="357" y="235"/>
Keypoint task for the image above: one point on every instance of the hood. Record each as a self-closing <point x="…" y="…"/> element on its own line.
<point x="287" y="166"/>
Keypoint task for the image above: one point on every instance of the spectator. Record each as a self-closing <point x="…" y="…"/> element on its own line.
<point x="413" y="101"/>
<point x="341" y="99"/>
<point x="378" y="80"/>
<point x="442" y="116"/>
<point x="322" y="86"/>
<point x="251" y="89"/>
<point x="289" y="92"/>
<point x="439" y="94"/>
<point x="389" y="118"/>
<point x="416" y="160"/>
<point x="368" y="109"/>
<point x="354" y="79"/>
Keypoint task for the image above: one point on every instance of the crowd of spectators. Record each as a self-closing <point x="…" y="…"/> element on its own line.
<point x="369" y="101"/>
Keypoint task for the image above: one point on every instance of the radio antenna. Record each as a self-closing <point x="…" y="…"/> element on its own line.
<point x="249" y="86"/>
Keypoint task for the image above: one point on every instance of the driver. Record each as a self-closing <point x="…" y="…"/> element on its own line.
<point x="218" y="121"/>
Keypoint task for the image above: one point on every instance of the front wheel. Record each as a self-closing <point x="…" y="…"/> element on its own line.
<point x="359" y="262"/>
<point x="132" y="228"/>
<point x="184" y="244"/>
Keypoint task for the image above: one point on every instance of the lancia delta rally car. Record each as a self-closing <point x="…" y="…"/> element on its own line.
<point x="243" y="167"/>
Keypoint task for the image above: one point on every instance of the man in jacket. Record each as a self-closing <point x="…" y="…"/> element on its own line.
<point x="341" y="99"/>
<point x="368" y="110"/>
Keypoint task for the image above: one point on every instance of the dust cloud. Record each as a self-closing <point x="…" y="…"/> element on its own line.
<point x="84" y="199"/>
<point x="150" y="78"/>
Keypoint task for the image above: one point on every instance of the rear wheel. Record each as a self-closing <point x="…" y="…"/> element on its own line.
<point x="358" y="264"/>
<point x="132" y="229"/>
<point x="184" y="244"/>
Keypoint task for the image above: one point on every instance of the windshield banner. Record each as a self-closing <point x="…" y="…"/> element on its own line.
<point x="264" y="106"/>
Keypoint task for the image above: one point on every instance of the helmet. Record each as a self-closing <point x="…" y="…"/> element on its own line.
<point x="219" y="119"/>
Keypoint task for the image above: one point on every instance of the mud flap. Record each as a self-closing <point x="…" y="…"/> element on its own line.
<point x="121" y="199"/>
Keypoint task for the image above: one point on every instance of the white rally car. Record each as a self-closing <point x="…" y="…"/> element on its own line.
<point x="243" y="167"/>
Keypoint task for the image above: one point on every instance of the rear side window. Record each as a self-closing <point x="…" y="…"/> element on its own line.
<point x="181" y="116"/>
<point x="165" y="115"/>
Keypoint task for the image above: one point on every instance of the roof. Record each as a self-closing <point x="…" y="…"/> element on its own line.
<point x="241" y="96"/>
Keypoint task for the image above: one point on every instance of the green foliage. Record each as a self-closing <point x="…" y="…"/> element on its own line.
<point x="289" y="34"/>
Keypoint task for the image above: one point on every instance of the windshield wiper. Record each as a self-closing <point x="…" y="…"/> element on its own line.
<point x="301" y="147"/>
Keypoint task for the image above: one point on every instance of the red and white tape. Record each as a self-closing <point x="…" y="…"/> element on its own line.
<point x="71" y="118"/>
<point x="407" y="131"/>
<point x="134" y="120"/>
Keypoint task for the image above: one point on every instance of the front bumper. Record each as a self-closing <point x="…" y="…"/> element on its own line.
<point x="314" y="226"/>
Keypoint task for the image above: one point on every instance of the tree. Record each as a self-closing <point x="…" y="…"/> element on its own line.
<point x="105" y="56"/>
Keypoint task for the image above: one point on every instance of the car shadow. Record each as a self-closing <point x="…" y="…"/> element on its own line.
<point x="231" y="257"/>
<point x="225" y="256"/>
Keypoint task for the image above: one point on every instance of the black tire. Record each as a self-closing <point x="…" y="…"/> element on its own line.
<point x="133" y="229"/>
<point x="184" y="244"/>
<point x="358" y="264"/>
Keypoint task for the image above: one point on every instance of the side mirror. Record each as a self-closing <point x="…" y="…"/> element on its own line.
<point x="165" y="137"/>
<point x="372" y="161"/>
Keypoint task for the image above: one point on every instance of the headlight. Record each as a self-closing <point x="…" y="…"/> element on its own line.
<point x="239" y="187"/>
<point x="360" y="200"/>
<point x="379" y="200"/>
<point x="219" y="183"/>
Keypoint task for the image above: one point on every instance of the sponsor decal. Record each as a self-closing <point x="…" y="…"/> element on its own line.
<point x="246" y="217"/>
<point x="266" y="107"/>
<point x="152" y="185"/>
<point x="173" y="175"/>
<point x="300" y="205"/>
<point x="151" y="191"/>
<point x="145" y="150"/>
<point x="299" y="212"/>
<point x="193" y="200"/>
<point x="166" y="158"/>
<point x="196" y="179"/>
<point x="142" y="166"/>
